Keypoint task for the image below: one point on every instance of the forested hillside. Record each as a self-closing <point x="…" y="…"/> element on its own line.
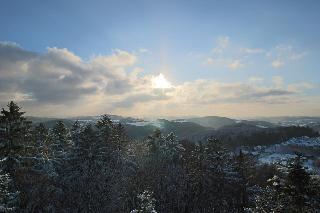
<point x="98" y="168"/>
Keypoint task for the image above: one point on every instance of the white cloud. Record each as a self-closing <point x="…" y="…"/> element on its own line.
<point x="252" y="50"/>
<point x="235" y="64"/>
<point x="208" y="61"/>
<point x="277" y="81"/>
<point x="63" y="54"/>
<point x="277" y="63"/>
<point x="221" y="43"/>
<point x="214" y="92"/>
<point x="143" y="50"/>
<point x="297" y="56"/>
<point x="233" y="56"/>
<point x="255" y="79"/>
<point x="227" y="55"/>
<point x="118" y="58"/>
<point x="301" y="86"/>
<point x="232" y="64"/>
<point x="282" y="54"/>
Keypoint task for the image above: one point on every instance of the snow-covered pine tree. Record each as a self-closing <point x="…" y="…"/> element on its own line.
<point x="86" y="177"/>
<point x="297" y="185"/>
<point x="15" y="133"/>
<point x="244" y="165"/>
<point x="60" y="145"/>
<point x="8" y="199"/>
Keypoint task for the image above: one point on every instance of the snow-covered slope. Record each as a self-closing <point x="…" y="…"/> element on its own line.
<point x="281" y="153"/>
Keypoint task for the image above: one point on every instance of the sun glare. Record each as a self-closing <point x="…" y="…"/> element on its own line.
<point x="161" y="82"/>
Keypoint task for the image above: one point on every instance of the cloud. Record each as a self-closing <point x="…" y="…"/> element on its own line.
<point x="13" y="65"/>
<point x="277" y="81"/>
<point x="282" y="54"/>
<point x="252" y="50"/>
<point x="208" y="61"/>
<point x="301" y="86"/>
<point x="139" y="98"/>
<point x="255" y="79"/>
<point x="233" y="56"/>
<point x="236" y="64"/>
<point x="118" y="87"/>
<point x="277" y="63"/>
<point x="118" y="58"/>
<point x="59" y="76"/>
<point x="226" y="55"/>
<point x="59" y="82"/>
<point x="143" y="50"/>
<point x="210" y="92"/>
<point x="232" y="64"/>
<point x="221" y="43"/>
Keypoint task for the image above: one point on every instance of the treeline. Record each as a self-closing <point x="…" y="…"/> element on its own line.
<point x="267" y="137"/>
<point x="96" y="168"/>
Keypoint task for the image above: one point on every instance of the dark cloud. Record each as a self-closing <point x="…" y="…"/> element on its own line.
<point x="59" y="76"/>
<point x="11" y="52"/>
<point x="118" y="87"/>
<point x="272" y="92"/>
<point x="139" y="98"/>
<point x="56" y="92"/>
<point x="217" y="93"/>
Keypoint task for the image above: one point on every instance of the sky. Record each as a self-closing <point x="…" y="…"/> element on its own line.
<point x="161" y="58"/>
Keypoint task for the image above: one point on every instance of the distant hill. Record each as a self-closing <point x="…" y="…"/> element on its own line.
<point x="50" y="122"/>
<point x="139" y="132"/>
<point x="294" y="120"/>
<point x="231" y="132"/>
<point x="261" y="124"/>
<point x="212" y="121"/>
<point x="181" y="129"/>
<point x="251" y="135"/>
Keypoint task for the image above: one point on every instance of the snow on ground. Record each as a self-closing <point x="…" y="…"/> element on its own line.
<point x="155" y="123"/>
<point x="304" y="141"/>
<point x="281" y="153"/>
<point x="261" y="126"/>
<point x="269" y="158"/>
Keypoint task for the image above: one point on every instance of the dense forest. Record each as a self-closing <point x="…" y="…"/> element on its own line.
<point x="98" y="168"/>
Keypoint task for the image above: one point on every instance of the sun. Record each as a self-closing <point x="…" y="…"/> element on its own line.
<point x="160" y="82"/>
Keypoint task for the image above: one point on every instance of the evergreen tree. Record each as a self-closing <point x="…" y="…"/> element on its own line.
<point x="105" y="127"/>
<point x="289" y="194"/>
<point x="244" y="166"/>
<point x="165" y="172"/>
<point x="60" y="141"/>
<point x="15" y="136"/>
<point x="271" y="198"/>
<point x="87" y="175"/>
<point x="297" y="184"/>
<point x="42" y="142"/>
<point x="75" y="132"/>
<point x="45" y="188"/>
<point x="8" y="199"/>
